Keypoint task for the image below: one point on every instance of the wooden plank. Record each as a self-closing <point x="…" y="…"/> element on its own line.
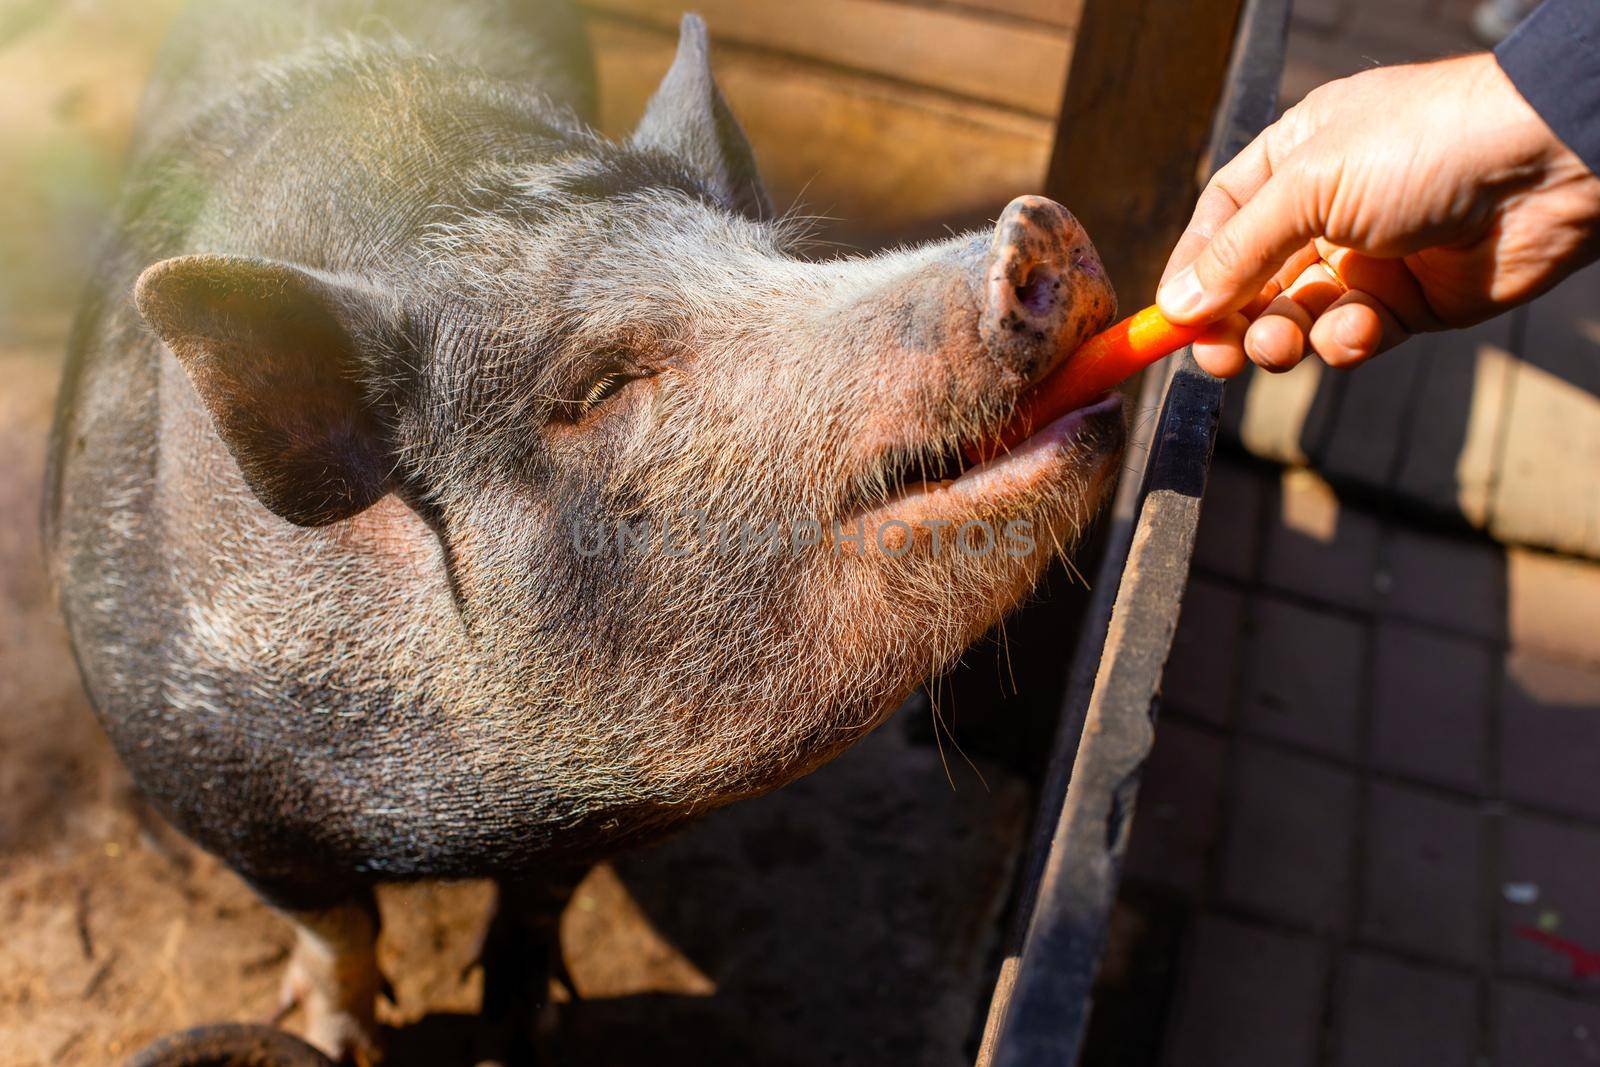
<point x="1546" y="494"/>
<point x="1063" y="13"/>
<point x="964" y="53"/>
<point x="70" y="80"/>
<point x="1135" y="125"/>
<point x="892" y="162"/>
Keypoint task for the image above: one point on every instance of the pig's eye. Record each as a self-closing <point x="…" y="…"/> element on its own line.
<point x="604" y="381"/>
<point x="604" y="388"/>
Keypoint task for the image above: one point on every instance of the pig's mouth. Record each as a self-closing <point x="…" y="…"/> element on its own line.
<point x="946" y="486"/>
<point x="1041" y="294"/>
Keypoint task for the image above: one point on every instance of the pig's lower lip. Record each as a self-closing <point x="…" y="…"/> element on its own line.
<point x="1011" y="474"/>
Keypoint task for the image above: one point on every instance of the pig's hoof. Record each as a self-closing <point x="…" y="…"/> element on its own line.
<point x="338" y="1003"/>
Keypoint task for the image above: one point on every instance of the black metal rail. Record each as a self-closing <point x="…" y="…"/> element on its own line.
<point x="1042" y="1000"/>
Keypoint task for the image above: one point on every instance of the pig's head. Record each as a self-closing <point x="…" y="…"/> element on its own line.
<point x="699" y="501"/>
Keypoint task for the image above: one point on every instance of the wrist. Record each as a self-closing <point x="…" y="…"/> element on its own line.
<point x="1526" y="151"/>
<point x="1516" y="144"/>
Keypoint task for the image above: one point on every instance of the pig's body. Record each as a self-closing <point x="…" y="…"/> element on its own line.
<point x="288" y="695"/>
<point x="312" y="530"/>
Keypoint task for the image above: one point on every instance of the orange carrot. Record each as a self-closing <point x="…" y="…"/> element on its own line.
<point x="1101" y="363"/>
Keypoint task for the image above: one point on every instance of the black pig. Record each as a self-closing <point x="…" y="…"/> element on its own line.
<point x="403" y="433"/>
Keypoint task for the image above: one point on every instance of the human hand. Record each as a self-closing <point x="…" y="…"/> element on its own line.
<point x="1399" y="200"/>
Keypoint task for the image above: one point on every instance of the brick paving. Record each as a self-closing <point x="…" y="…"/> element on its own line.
<point x="1393" y="1013"/>
<point x="1267" y="984"/>
<point x="1373" y="810"/>
<point x="1375" y="801"/>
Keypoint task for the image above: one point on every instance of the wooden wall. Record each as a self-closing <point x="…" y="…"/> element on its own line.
<point x="894" y="117"/>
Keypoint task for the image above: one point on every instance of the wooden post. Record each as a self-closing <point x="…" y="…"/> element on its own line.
<point x="1135" y="126"/>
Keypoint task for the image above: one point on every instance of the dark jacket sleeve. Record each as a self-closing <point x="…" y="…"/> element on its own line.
<point x="1553" y="58"/>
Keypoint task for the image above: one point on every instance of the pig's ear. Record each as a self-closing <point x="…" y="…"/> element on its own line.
<point x="688" y="118"/>
<point x="274" y="352"/>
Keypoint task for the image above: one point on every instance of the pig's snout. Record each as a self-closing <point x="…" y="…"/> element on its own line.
<point x="1044" y="289"/>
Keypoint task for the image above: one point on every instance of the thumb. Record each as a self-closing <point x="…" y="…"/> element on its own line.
<point x="1245" y="251"/>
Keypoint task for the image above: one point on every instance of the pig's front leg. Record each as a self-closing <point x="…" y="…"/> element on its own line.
<point x="333" y="977"/>
<point x="520" y="955"/>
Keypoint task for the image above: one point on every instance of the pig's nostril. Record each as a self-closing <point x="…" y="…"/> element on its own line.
<point x="1037" y="291"/>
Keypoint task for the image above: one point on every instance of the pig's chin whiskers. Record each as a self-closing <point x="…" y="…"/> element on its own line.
<point x="1005" y="650"/>
<point x="1072" y="568"/>
<point x="941" y="729"/>
<point x="932" y="687"/>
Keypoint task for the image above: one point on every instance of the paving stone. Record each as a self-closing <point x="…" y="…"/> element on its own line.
<point x="1431" y="705"/>
<point x="1289" y="834"/>
<point x="1558" y="866"/>
<point x="1235" y="392"/>
<point x="1320" y="547"/>
<point x="1451" y="455"/>
<point x="1454" y="582"/>
<point x="1546" y="491"/>
<point x="1317" y="56"/>
<point x="1269" y="413"/>
<point x="1364" y="441"/>
<point x="1545" y="495"/>
<point x="1250" y="998"/>
<point x="1205" y="652"/>
<point x="1180" y="796"/>
<point x="1536" y="1028"/>
<point x="1553" y="604"/>
<point x="1229" y="539"/>
<point x="1405" y="31"/>
<point x="1395" y="1014"/>
<point x="1550" y="749"/>
<point x="1304" y="675"/>
<point x="1302" y="73"/>
<point x="1459" y="12"/>
<point x="1563" y="333"/>
<point x="1422" y="885"/>
<point x="1312" y="20"/>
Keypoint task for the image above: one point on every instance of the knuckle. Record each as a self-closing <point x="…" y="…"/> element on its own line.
<point x="1229" y="251"/>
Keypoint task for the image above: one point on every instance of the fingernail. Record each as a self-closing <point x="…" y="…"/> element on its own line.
<point x="1182" y="294"/>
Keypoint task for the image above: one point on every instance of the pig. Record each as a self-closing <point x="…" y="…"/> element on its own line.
<point x="402" y="434"/>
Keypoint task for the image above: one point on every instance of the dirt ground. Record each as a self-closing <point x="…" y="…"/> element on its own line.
<point x="849" y="919"/>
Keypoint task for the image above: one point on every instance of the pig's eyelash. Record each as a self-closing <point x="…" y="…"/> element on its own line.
<point x="605" y="387"/>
